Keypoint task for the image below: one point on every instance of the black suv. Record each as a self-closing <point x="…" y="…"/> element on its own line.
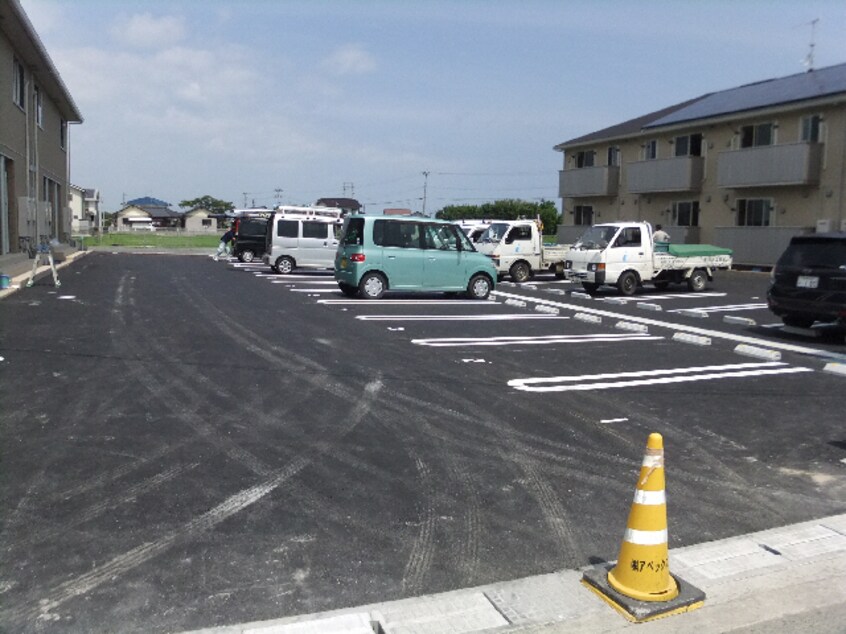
<point x="250" y="238"/>
<point x="808" y="282"/>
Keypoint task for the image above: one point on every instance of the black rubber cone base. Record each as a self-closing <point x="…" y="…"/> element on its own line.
<point x="690" y="597"/>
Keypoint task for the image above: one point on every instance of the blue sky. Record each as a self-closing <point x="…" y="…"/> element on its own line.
<point x="239" y="100"/>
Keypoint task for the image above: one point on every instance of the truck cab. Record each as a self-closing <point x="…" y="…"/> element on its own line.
<point x="517" y="250"/>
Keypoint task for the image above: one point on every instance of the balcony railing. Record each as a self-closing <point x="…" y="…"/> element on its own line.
<point x="677" y="174"/>
<point x="586" y="182"/>
<point x="787" y="164"/>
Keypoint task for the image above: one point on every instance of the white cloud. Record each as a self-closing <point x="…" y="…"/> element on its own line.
<point x="144" y="30"/>
<point x="352" y="59"/>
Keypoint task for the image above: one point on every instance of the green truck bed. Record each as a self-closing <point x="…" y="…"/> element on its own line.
<point x="696" y="250"/>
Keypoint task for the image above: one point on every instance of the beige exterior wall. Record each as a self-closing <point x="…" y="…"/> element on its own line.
<point x="800" y="206"/>
<point x="23" y="143"/>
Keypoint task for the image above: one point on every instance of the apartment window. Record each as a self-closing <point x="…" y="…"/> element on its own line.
<point x="756" y="135"/>
<point x="585" y="159"/>
<point x="18" y="84"/>
<point x="689" y="145"/>
<point x="686" y="213"/>
<point x="613" y="156"/>
<point x="650" y="150"/>
<point x="754" y="212"/>
<point x="39" y="108"/>
<point x="583" y="215"/>
<point x="811" y="128"/>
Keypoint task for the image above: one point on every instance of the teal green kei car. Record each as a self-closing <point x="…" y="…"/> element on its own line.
<point x="381" y="253"/>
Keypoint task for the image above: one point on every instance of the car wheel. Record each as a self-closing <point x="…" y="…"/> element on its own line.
<point x="520" y="272"/>
<point x="284" y="265"/>
<point x="372" y="286"/>
<point x="627" y="283"/>
<point x="346" y="289"/>
<point x="590" y="287"/>
<point x="797" y="321"/>
<point x="247" y="256"/>
<point x="697" y="281"/>
<point x="479" y="287"/>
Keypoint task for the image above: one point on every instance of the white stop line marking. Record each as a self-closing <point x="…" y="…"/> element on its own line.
<point x="586" y="382"/>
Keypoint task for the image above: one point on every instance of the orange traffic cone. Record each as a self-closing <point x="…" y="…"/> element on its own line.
<point x="640" y="585"/>
<point x="643" y="570"/>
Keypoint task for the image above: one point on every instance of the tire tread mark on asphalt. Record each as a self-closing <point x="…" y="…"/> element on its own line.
<point x="165" y="388"/>
<point x="130" y="560"/>
<point x="422" y="551"/>
<point x="126" y="496"/>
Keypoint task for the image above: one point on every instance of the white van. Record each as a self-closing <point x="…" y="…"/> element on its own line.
<point x="302" y="237"/>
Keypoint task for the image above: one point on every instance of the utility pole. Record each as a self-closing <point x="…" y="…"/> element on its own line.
<point x="351" y="187"/>
<point x="425" y="186"/>
<point x="245" y="200"/>
<point x="278" y="196"/>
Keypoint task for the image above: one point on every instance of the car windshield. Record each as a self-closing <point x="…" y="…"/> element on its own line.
<point x="495" y="232"/>
<point x="815" y="254"/>
<point x="597" y="237"/>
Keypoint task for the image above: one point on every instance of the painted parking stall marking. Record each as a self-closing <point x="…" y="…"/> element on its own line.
<point x="452" y="342"/>
<point x="640" y="298"/>
<point x="409" y="302"/>
<point x="617" y="380"/>
<point x="728" y="308"/>
<point x="507" y="317"/>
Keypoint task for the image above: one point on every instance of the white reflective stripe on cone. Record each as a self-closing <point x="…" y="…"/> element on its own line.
<point x="653" y="461"/>
<point x="645" y="538"/>
<point x="650" y="497"/>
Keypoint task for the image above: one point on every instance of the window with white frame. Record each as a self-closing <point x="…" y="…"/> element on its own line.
<point x="686" y="213"/>
<point x="39" y="107"/>
<point x="583" y="215"/>
<point x="18" y="84"/>
<point x="650" y="150"/>
<point x="688" y="145"/>
<point x="811" y="128"/>
<point x="757" y="135"/>
<point x="754" y="212"/>
<point x="585" y="159"/>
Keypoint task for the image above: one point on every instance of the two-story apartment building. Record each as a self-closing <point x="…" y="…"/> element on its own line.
<point x="35" y="110"/>
<point x="745" y="168"/>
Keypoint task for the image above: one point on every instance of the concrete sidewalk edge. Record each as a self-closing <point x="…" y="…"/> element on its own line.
<point x="749" y="580"/>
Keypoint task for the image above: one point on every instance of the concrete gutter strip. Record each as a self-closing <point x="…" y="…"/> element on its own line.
<point x="767" y="579"/>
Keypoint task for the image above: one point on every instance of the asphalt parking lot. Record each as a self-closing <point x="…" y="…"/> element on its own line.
<point x="190" y="443"/>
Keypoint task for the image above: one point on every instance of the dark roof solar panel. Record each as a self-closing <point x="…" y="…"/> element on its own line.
<point x="773" y="92"/>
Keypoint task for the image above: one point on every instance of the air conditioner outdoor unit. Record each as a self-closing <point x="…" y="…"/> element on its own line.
<point x="824" y="225"/>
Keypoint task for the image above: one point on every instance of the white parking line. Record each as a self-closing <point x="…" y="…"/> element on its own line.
<point x="448" y="342"/>
<point x="409" y="302"/>
<point x="315" y="290"/>
<point x="588" y="382"/>
<point x="715" y="334"/>
<point x="508" y="317"/>
<point x="640" y="298"/>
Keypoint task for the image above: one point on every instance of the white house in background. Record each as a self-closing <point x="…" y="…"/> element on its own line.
<point x="86" y="216"/>
<point x="199" y="220"/>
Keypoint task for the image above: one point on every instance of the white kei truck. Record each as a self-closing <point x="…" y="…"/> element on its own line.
<point x="517" y="250"/>
<point x="624" y="254"/>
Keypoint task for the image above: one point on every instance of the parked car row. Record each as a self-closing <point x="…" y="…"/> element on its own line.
<point x="374" y="254"/>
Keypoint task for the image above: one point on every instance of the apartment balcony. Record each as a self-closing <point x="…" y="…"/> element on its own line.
<point x="677" y="174"/>
<point x="770" y="165"/>
<point x="585" y="182"/>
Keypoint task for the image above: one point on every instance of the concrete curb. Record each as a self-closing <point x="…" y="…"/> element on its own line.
<point x="18" y="280"/>
<point x="767" y="577"/>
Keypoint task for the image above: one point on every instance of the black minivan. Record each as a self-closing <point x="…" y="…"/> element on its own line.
<point x="808" y="282"/>
<point x="250" y="237"/>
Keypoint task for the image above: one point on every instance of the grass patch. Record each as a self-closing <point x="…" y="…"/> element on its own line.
<point x="152" y="239"/>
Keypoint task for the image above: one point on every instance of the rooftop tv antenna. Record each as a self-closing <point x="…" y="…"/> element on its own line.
<point x="809" y="58"/>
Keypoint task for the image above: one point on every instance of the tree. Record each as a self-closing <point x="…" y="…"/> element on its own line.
<point x="508" y="209"/>
<point x="214" y="205"/>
